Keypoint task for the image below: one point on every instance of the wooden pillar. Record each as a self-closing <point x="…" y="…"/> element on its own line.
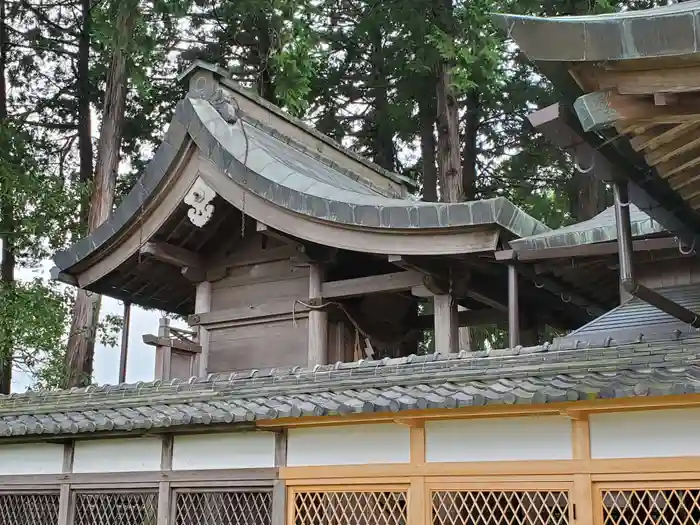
<point x="65" y="503"/>
<point x="446" y="324"/>
<point x="465" y="335"/>
<point x="582" y="493"/>
<point x="279" y="489"/>
<point x="125" y="343"/>
<point x="318" y="320"/>
<point x="164" y="490"/>
<point x="513" y="308"/>
<point x="202" y="305"/>
<point x="163" y="353"/>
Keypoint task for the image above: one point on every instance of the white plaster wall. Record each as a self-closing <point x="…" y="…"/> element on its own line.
<point x="218" y="451"/>
<point x="117" y="455"/>
<point x="348" y="445"/>
<point x="646" y="434"/>
<point x="31" y="458"/>
<point x="498" y="439"/>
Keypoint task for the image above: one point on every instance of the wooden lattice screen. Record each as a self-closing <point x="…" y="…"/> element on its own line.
<point x="29" y="509"/>
<point x="116" y="508"/>
<point x="500" y="507"/>
<point x="370" y="507"/>
<point x="651" y="507"/>
<point x="218" y="507"/>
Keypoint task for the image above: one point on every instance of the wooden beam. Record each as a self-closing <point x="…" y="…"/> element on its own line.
<point x="665" y="99"/>
<point x="562" y="130"/>
<point x="154" y="340"/>
<point x="390" y="282"/>
<point x="170" y="254"/>
<point x="488" y="301"/>
<point x="650" y="82"/>
<point x="274" y="308"/>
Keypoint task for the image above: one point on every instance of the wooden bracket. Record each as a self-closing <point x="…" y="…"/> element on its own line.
<point x="435" y="285"/>
<point x="171" y="254"/>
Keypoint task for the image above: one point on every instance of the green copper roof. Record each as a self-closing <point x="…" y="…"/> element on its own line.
<point x="601" y="228"/>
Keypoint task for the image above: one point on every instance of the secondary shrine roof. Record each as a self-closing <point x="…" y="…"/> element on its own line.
<point x="566" y="372"/>
<point x="657" y="32"/>
<point x="601" y="228"/>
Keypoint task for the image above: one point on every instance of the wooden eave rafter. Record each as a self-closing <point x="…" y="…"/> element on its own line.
<point x="657" y="106"/>
<point x="612" y="156"/>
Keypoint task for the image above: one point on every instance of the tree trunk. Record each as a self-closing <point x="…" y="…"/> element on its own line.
<point x="449" y="164"/>
<point x="426" y="114"/>
<point x="382" y="132"/>
<point x="84" y="117"/>
<point x="470" y="144"/>
<point x="7" y="263"/>
<point x="266" y="86"/>
<point x="81" y="343"/>
<point x="449" y="161"/>
<point x="587" y="196"/>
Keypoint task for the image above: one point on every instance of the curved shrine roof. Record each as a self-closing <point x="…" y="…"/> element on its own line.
<point x="665" y="31"/>
<point x="288" y="174"/>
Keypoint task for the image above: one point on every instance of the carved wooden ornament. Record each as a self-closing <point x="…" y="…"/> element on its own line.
<point x="199" y="198"/>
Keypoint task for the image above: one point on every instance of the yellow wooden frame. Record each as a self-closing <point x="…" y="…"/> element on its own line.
<point x="582" y="476"/>
<point x="658" y="484"/>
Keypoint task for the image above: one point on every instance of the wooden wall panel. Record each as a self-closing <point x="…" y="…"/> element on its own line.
<point x="263" y="342"/>
<point x="664" y="274"/>
<point x="259" y="283"/>
<point x="262" y="345"/>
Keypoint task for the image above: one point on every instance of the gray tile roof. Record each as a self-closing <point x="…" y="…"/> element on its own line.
<point x="601" y="228"/>
<point x="543" y="374"/>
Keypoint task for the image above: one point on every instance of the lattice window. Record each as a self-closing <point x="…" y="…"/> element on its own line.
<point x="116" y="508"/>
<point x="29" y="509"/>
<point x="651" y="507"/>
<point x="350" y="508"/>
<point x="502" y="507"/>
<point x="223" y="508"/>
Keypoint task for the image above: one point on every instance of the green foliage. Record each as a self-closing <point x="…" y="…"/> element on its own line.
<point x="35" y="313"/>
